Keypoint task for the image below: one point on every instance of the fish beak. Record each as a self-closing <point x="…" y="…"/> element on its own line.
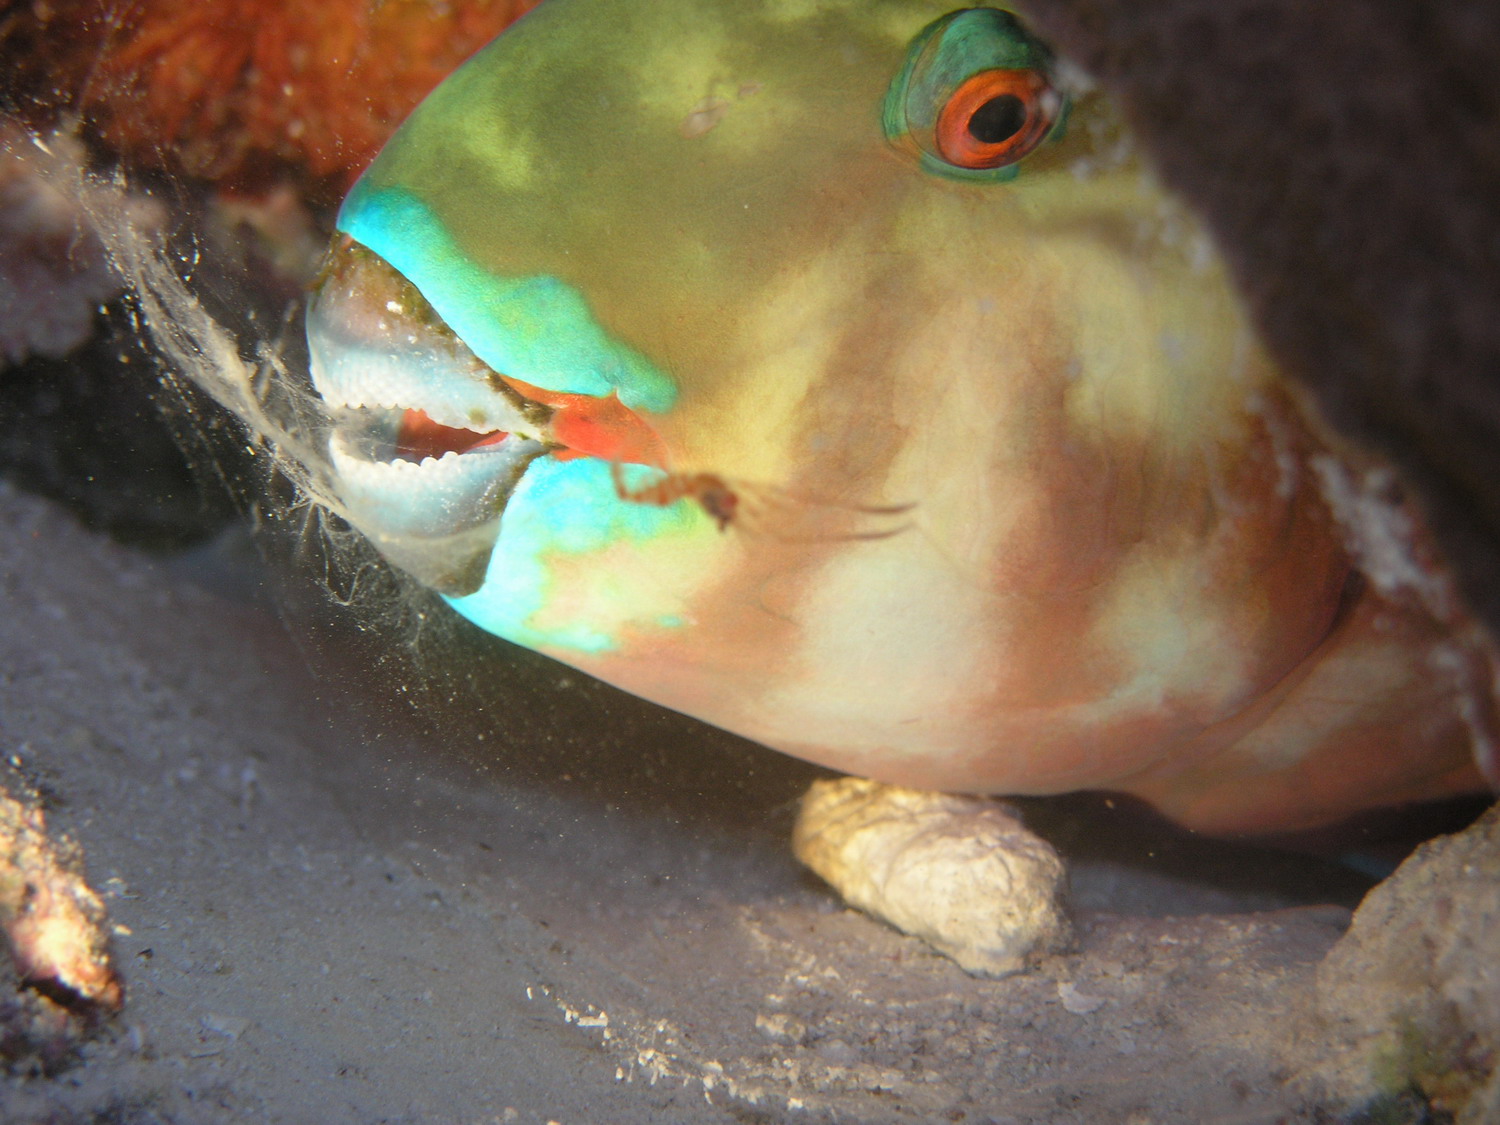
<point x="426" y="444"/>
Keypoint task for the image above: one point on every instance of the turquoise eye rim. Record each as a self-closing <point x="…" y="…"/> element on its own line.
<point x="941" y="60"/>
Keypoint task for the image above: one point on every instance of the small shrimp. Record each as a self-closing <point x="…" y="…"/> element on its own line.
<point x="758" y="508"/>
<point x="709" y="489"/>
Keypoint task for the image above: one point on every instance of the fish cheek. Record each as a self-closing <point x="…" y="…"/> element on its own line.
<point x="1141" y="584"/>
<point x="697" y="624"/>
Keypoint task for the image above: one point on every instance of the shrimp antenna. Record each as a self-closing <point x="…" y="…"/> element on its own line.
<point x="759" y="509"/>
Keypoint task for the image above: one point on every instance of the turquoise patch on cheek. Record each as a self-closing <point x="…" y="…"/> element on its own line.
<point x="537" y="329"/>
<point x="560" y="509"/>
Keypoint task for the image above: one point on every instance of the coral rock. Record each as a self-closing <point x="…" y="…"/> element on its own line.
<point x="1411" y="995"/>
<point x="961" y="873"/>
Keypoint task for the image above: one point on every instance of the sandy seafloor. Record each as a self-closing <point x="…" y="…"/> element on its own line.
<point x="546" y="902"/>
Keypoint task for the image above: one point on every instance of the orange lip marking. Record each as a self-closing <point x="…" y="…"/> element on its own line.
<point x="590" y="426"/>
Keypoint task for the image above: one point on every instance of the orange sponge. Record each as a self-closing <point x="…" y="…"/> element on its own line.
<point x="242" y="91"/>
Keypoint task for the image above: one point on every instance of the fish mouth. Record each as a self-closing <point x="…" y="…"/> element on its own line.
<point x="426" y="442"/>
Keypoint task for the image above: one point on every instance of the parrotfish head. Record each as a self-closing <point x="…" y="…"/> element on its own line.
<point x="831" y="370"/>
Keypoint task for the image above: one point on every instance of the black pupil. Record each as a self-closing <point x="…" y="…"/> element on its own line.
<point x="998" y="119"/>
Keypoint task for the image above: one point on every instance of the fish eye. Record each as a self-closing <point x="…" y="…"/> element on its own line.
<point x="974" y="97"/>
<point x="994" y="119"/>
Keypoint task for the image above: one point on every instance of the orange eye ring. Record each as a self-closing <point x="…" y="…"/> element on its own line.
<point x="995" y="118"/>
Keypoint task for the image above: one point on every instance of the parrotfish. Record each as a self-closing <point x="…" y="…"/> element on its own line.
<point x="838" y="372"/>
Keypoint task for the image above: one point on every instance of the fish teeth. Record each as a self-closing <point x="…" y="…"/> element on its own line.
<point x="431" y="498"/>
<point x="437" y="374"/>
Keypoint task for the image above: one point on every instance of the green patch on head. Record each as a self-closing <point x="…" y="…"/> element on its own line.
<point x="564" y="510"/>
<point x="537" y="329"/>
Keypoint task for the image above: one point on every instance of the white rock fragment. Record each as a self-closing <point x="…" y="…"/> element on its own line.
<point x="230" y="1027"/>
<point x="1079" y="1003"/>
<point x="781" y="1028"/>
<point x="961" y="873"/>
